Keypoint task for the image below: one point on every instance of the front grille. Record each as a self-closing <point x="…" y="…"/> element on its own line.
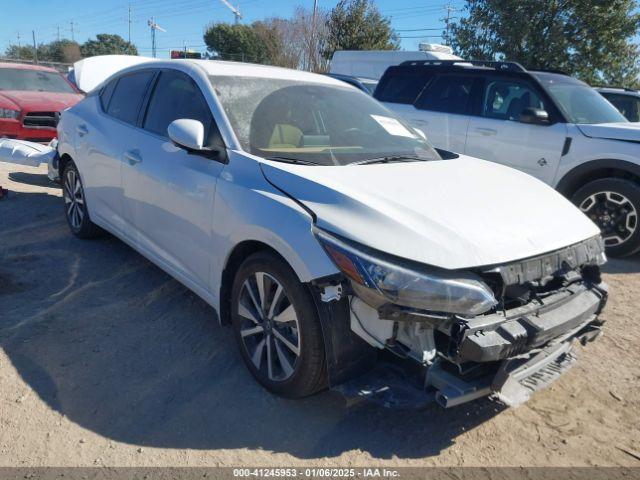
<point x="41" y="120"/>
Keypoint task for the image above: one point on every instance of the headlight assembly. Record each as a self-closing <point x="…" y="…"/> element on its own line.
<point x="431" y="289"/>
<point x="9" y="113"/>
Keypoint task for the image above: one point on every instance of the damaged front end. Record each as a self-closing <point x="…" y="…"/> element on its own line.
<point x="503" y="331"/>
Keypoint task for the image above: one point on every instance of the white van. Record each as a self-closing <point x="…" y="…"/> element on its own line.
<point x="373" y="63"/>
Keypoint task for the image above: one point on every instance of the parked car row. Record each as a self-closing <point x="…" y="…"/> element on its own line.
<point x="329" y="233"/>
<point x="344" y="250"/>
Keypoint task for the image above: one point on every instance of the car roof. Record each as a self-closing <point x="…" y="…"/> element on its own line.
<point x="620" y="90"/>
<point x="545" y="77"/>
<point x="239" y="69"/>
<point x="27" y="66"/>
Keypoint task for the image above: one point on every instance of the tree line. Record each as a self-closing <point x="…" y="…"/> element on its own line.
<point x="68" y="51"/>
<point x="594" y="40"/>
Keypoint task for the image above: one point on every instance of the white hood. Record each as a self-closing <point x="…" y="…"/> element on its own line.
<point x="629" y="132"/>
<point x="91" y="72"/>
<point x="451" y="213"/>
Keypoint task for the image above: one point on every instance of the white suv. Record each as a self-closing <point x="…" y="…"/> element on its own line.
<point x="547" y="124"/>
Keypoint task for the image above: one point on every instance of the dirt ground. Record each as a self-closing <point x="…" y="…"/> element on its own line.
<point x="105" y="360"/>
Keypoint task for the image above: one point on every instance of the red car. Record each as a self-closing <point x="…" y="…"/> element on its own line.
<point x="31" y="99"/>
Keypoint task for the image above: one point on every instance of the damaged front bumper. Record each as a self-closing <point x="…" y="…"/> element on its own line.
<point x="507" y="353"/>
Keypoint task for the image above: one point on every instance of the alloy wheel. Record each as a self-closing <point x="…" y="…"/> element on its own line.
<point x="614" y="214"/>
<point x="73" y="199"/>
<point x="269" y="330"/>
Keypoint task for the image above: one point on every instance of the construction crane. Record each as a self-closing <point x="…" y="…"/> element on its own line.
<point x="154" y="26"/>
<point x="235" y="10"/>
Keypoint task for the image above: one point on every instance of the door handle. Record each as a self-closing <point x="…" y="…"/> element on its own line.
<point x="132" y="156"/>
<point x="82" y="130"/>
<point x="420" y="122"/>
<point x="486" y="131"/>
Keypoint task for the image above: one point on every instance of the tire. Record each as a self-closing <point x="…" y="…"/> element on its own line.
<point x="280" y="339"/>
<point x="75" y="205"/>
<point x="614" y="205"/>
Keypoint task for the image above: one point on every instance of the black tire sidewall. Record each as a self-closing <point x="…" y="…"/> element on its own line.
<point x="87" y="228"/>
<point x="626" y="188"/>
<point x="310" y="373"/>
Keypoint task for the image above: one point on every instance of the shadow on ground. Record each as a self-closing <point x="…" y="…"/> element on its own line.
<point x="114" y="344"/>
<point x="34" y="179"/>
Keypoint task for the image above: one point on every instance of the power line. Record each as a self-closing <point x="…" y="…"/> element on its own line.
<point x="416" y="29"/>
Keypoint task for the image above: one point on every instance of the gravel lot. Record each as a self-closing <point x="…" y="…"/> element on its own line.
<point x="105" y="360"/>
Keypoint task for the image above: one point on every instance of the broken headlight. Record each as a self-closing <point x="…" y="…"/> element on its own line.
<point x="408" y="285"/>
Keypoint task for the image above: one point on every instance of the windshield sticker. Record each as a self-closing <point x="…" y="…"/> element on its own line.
<point x="393" y="126"/>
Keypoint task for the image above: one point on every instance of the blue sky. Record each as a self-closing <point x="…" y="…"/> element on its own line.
<point x="184" y="20"/>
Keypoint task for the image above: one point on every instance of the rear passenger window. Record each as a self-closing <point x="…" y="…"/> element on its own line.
<point x="177" y="96"/>
<point x="106" y="93"/>
<point x="447" y="93"/>
<point x="401" y="87"/>
<point x="127" y="96"/>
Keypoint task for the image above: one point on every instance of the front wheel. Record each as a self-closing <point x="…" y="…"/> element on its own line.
<point x="277" y="328"/>
<point x="613" y="204"/>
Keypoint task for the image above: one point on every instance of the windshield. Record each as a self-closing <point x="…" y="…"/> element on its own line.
<point x="313" y="123"/>
<point x="578" y="101"/>
<point x="33" y="80"/>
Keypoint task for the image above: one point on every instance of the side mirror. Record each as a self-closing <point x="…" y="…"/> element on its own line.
<point x="187" y="133"/>
<point x="536" y="116"/>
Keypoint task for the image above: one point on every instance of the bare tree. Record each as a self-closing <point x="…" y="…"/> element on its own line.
<point x="312" y="36"/>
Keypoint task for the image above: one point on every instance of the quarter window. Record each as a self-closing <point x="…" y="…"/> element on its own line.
<point x="106" y="93"/>
<point x="127" y="96"/>
<point x="506" y="100"/>
<point x="177" y="96"/>
<point x="447" y="93"/>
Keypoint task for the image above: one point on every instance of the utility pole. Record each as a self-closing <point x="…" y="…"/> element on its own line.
<point x="129" y="23"/>
<point x="72" y="34"/>
<point x="154" y="26"/>
<point x="58" y="27"/>
<point x="447" y="20"/>
<point x="35" y="49"/>
<point x="19" y="46"/>
<point x="312" y="37"/>
<point x="236" y="11"/>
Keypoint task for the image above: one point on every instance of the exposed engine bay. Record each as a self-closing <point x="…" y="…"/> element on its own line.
<point x="519" y="345"/>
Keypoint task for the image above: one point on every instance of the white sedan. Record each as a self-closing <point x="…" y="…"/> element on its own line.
<point x="330" y="234"/>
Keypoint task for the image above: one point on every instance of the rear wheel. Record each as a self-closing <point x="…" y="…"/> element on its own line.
<point x="614" y="205"/>
<point x="277" y="327"/>
<point x="75" y="205"/>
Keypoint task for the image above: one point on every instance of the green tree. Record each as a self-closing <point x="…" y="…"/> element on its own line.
<point x="19" y="52"/>
<point x="243" y="43"/>
<point x="65" y="51"/>
<point x="590" y="39"/>
<point x="358" y="25"/>
<point x="107" y="44"/>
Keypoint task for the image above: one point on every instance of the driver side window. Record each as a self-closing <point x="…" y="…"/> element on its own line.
<point x="507" y="99"/>
<point x="176" y="96"/>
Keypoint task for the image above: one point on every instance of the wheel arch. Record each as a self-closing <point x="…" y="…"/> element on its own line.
<point x="239" y="254"/>
<point x="64" y="159"/>
<point x="595" y="170"/>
